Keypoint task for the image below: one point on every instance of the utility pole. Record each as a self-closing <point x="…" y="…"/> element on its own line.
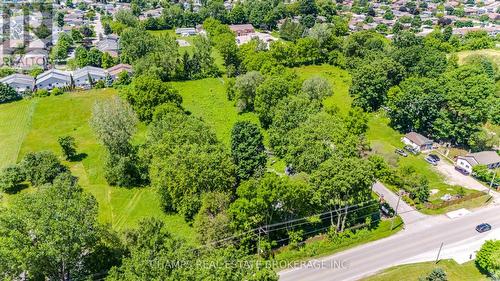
<point x="439" y="252"/>
<point x="491" y="183"/>
<point x="396" y="211"/>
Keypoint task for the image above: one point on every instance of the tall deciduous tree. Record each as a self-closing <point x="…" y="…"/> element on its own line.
<point x="340" y="183"/>
<point x="247" y="149"/>
<point x="51" y="233"/>
<point x="145" y="93"/>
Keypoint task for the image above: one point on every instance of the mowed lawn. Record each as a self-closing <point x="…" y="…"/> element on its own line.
<point x="41" y="121"/>
<point x="207" y="99"/>
<point x="411" y="272"/>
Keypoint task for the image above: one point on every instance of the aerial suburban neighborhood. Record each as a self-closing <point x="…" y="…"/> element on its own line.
<point x="258" y="140"/>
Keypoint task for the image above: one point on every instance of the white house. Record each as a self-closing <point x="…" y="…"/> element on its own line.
<point x="53" y="79"/>
<point x="417" y="141"/>
<point x="489" y="158"/>
<point x="88" y="75"/>
<point x="20" y="82"/>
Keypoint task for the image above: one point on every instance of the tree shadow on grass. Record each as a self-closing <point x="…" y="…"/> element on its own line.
<point x="16" y="189"/>
<point x="79" y="157"/>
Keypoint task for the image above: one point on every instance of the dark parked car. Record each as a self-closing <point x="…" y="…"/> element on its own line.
<point x="401" y="152"/>
<point x="461" y="170"/>
<point x="483" y="227"/>
<point x="431" y="161"/>
<point x="434" y="157"/>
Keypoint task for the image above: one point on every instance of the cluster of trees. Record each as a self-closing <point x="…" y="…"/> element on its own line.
<point x="53" y="233"/>
<point x="262" y="13"/>
<point x="422" y="90"/>
<point x="93" y="57"/>
<point x="159" y="56"/>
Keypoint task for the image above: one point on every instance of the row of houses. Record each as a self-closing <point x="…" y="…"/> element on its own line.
<point x="54" y="78"/>
<point x="490" y="159"/>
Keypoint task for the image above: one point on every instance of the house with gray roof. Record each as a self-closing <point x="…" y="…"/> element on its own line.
<point x="110" y="45"/>
<point x="19" y="82"/>
<point x="53" y="79"/>
<point x="491" y="159"/>
<point x="85" y="77"/>
<point x="417" y="141"/>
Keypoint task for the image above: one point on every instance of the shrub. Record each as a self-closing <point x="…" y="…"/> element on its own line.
<point x="57" y="92"/>
<point x="41" y="167"/>
<point x="436" y="274"/>
<point x="68" y="146"/>
<point x="41" y="93"/>
<point x="8" y="94"/>
<point x="99" y="85"/>
<point x="10" y="177"/>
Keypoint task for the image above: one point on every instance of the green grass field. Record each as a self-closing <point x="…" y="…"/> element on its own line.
<point x="339" y="79"/>
<point x="412" y="272"/>
<point x="35" y="124"/>
<point x="493" y="54"/>
<point x="207" y="99"/>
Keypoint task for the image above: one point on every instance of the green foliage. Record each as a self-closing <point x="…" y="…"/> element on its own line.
<point x="318" y="139"/>
<point x="342" y="182"/>
<point x="11" y="177"/>
<point x="488" y="258"/>
<point x="42" y="167"/>
<point x="291" y="30"/>
<point x="57" y="92"/>
<point x="372" y="80"/>
<point x="68" y="146"/>
<point x="270" y="92"/>
<point x="212" y="222"/>
<point x="68" y="237"/>
<point x="247" y="149"/>
<point x="145" y="93"/>
<point x="114" y="123"/>
<point x="154" y="253"/>
<point x="245" y="89"/>
<point x="41" y="93"/>
<point x="8" y="94"/>
<point x="317" y="88"/>
<point x="484" y="174"/>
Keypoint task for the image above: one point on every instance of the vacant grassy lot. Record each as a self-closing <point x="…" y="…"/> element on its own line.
<point x="35" y="125"/>
<point x="411" y="272"/>
<point x="494" y="54"/>
<point x="207" y="99"/>
<point x="339" y="79"/>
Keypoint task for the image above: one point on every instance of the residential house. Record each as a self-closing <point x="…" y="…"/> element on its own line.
<point x="34" y="58"/>
<point x="242" y="29"/>
<point x="186" y="31"/>
<point x="119" y="68"/>
<point x="85" y="77"/>
<point x="53" y="79"/>
<point x="417" y="141"/>
<point x="19" y="82"/>
<point x="489" y="158"/>
<point x="110" y="45"/>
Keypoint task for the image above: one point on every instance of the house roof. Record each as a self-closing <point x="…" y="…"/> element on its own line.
<point x="482" y="158"/>
<point x="117" y="69"/>
<point x="418" y="139"/>
<point x="55" y="74"/>
<point x="18" y="78"/>
<point x="85" y="71"/>
<point x="241" y="27"/>
<point x="107" y="44"/>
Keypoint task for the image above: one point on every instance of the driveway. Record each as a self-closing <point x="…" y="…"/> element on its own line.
<point x="408" y="214"/>
<point x="454" y="177"/>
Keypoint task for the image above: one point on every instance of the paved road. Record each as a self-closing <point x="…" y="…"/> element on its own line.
<point x="407" y="212"/>
<point x="367" y="259"/>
